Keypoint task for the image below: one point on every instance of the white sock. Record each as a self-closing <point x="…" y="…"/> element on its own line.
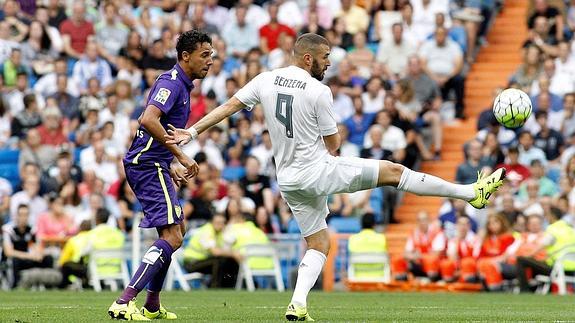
<point x="307" y="274"/>
<point x="429" y="185"/>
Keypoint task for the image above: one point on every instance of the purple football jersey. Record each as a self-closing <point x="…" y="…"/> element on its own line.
<point x="171" y="94"/>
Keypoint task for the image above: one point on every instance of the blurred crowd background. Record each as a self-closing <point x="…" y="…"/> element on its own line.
<point x="75" y="75"/>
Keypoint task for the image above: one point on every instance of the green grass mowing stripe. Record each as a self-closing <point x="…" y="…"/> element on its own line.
<point x="266" y="306"/>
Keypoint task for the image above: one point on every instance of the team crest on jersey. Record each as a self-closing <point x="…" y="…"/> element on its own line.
<point x="178" y="210"/>
<point x="162" y="95"/>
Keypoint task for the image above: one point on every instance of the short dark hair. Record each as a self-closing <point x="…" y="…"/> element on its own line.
<point x="309" y="42"/>
<point x="556" y="213"/>
<point x="29" y="99"/>
<point x="368" y="221"/>
<point x="540" y="114"/>
<point x="190" y="40"/>
<point x="23" y="206"/>
<point x="102" y="215"/>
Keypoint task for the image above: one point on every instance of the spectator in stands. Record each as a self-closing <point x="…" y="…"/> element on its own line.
<point x="54" y="226"/>
<point x="56" y="13"/>
<point x="508" y="208"/>
<point x="530" y="69"/>
<point x="530" y="202"/>
<point x="367" y="241"/>
<point x="543" y="86"/>
<point x="156" y="61"/>
<point x="92" y="66"/>
<point x="15" y="96"/>
<point x="255" y="13"/>
<point x="527" y="242"/>
<point x="200" y="207"/>
<point x="373" y="95"/>
<point x="355" y="17"/>
<point x="51" y="130"/>
<point x="241" y="202"/>
<point x="361" y="56"/>
<point x="37" y="51"/>
<point x="257" y="186"/>
<point x="460" y="262"/>
<point x="103" y="164"/>
<point x="412" y="110"/>
<point x="15" y="19"/>
<point x="34" y="151"/>
<point x="73" y="261"/>
<point x="66" y="102"/>
<point x="546" y="186"/>
<point x="266" y="222"/>
<point x="20" y="246"/>
<point x="216" y="80"/>
<point x="70" y="195"/>
<point x="553" y="15"/>
<point x="542" y="38"/>
<point x="391" y="139"/>
<point x="76" y="31"/>
<point x="492" y="151"/>
<point x="338" y="36"/>
<point x="47" y="85"/>
<point x="426" y="90"/>
<point x="448" y="220"/>
<point x="281" y="56"/>
<point x="5" y="117"/>
<point x="342" y="103"/>
<point x="515" y="172"/>
<point x="12" y="67"/>
<point x="206" y="253"/>
<point x="423" y="250"/>
<point x="111" y="34"/>
<point x="240" y="34"/>
<point x="443" y="62"/>
<point x="113" y="113"/>
<point x="528" y="152"/>
<point x="269" y="34"/>
<point x="42" y="15"/>
<point x="6" y="42"/>
<point x="567" y="117"/>
<point x="395" y="51"/>
<point x="474" y="162"/>
<point x="548" y="140"/>
<point x="359" y="122"/>
<point x="492" y="252"/>
<point x="206" y="145"/>
<point x="313" y="25"/>
<point x="559" y="237"/>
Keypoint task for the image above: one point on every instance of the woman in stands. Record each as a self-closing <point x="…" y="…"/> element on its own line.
<point x="491" y="252"/>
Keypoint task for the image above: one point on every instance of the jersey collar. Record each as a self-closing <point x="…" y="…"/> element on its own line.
<point x="184" y="77"/>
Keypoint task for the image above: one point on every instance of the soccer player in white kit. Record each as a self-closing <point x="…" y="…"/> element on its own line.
<point x="299" y="117"/>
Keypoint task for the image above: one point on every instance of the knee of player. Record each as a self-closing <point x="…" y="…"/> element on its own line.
<point x="391" y="171"/>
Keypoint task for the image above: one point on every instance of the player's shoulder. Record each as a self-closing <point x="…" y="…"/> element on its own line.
<point x="169" y="77"/>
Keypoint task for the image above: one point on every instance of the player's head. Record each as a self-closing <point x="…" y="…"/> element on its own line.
<point x="311" y="53"/>
<point x="195" y="53"/>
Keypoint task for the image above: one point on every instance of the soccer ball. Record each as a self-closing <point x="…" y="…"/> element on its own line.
<point x="512" y="108"/>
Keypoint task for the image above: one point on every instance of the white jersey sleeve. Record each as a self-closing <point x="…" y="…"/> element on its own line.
<point x="249" y="94"/>
<point x="324" y="112"/>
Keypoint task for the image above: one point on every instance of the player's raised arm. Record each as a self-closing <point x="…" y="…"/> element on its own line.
<point x="177" y="136"/>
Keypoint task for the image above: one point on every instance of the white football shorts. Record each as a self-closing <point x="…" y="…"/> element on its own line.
<point x="330" y="176"/>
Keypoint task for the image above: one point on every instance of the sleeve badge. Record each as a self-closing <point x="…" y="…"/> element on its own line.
<point x="162" y="95"/>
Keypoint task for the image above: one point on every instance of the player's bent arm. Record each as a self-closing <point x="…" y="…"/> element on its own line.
<point x="332" y="143"/>
<point x="151" y="122"/>
<point x="225" y="110"/>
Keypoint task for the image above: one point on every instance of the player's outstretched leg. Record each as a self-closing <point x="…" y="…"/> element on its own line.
<point x="308" y="272"/>
<point x="405" y="179"/>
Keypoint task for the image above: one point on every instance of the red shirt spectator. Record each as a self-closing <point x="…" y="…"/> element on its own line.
<point x="270" y="33"/>
<point x="76" y="30"/>
<point x="515" y="172"/>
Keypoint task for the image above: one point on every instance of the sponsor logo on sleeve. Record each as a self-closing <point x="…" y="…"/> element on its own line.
<point x="162" y="95"/>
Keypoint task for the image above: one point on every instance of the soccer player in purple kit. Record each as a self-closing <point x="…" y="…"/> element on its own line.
<point x="152" y="172"/>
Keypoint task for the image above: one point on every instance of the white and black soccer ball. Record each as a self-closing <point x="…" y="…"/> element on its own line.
<point x="512" y="108"/>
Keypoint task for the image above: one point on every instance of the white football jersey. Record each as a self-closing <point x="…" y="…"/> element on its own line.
<point x="298" y="113"/>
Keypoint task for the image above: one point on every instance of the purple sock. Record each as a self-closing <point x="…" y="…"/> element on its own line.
<point x="158" y="254"/>
<point x="153" y="299"/>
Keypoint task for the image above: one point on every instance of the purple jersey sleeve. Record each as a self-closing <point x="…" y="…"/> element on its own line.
<point x="164" y="94"/>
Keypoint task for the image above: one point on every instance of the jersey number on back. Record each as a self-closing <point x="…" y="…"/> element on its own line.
<point x="283" y="112"/>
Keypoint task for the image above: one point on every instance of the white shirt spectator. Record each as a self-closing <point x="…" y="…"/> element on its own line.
<point x="216" y="15"/>
<point x="212" y="152"/>
<point x="217" y="83"/>
<point x="554" y="121"/>
<point x="393" y="139"/>
<point x="373" y="105"/>
<point x="47" y="85"/>
<point x="121" y="126"/>
<point x="560" y="84"/>
<point x="240" y="39"/>
<point x="134" y="77"/>
<point x="424" y="17"/>
<point x="394" y="55"/>
<point x="289" y="14"/>
<point x="505" y="136"/>
<point x="265" y="157"/>
<point x="534" y="153"/>
<point x="256" y="15"/>
<point x="6" y="47"/>
<point x="85" y="69"/>
<point x="36" y="204"/>
<point x="441" y="60"/>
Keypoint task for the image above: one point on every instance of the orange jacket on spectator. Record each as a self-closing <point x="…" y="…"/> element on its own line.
<point x="459" y="256"/>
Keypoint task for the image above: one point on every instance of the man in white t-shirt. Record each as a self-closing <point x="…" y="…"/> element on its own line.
<point x="305" y="140"/>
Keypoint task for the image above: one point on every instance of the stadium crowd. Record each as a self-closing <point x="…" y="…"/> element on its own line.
<point x="75" y="75"/>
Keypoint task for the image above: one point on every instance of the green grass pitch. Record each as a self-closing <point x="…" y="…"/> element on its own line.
<point x="267" y="306"/>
